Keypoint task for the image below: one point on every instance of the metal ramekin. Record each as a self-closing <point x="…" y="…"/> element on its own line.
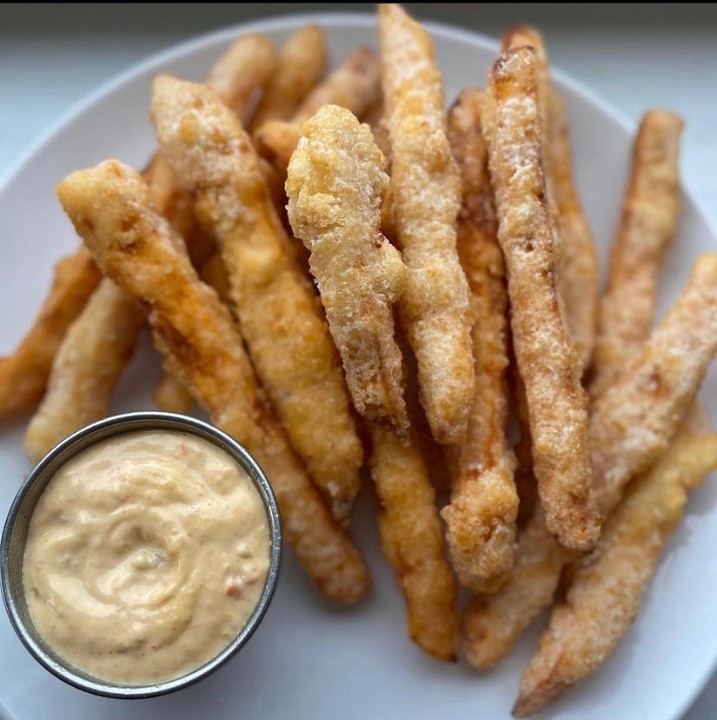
<point x="15" y="532"/>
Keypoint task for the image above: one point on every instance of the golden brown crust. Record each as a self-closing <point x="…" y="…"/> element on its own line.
<point x="355" y="85"/>
<point x="242" y="69"/>
<point x="110" y="208"/>
<point x="647" y="228"/>
<point x="425" y="187"/>
<point x="24" y="373"/>
<point x="287" y="337"/>
<point x="412" y="541"/>
<point x="93" y="354"/>
<point x="608" y="585"/>
<point x="481" y="517"/>
<point x="577" y="258"/>
<point x="547" y="360"/>
<point x="301" y="63"/>
<point x="633" y="422"/>
<point x="335" y="185"/>
<point x="491" y="624"/>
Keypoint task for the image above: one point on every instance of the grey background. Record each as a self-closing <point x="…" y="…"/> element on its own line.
<point x="634" y="55"/>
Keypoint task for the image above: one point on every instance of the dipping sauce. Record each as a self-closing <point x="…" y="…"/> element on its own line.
<point x="147" y="553"/>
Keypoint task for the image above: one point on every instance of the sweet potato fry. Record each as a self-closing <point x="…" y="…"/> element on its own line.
<point x="577" y="259"/>
<point x="412" y="541"/>
<point x="24" y="373"/>
<point x="88" y="364"/>
<point x="244" y="68"/>
<point x="647" y="228"/>
<point x="546" y="357"/>
<point x="633" y="422"/>
<point x="355" y="85"/>
<point x="287" y="337"/>
<point x="426" y="194"/>
<point x="481" y="517"/>
<point x="608" y="585"/>
<point x="301" y="63"/>
<point x="632" y="425"/>
<point x="335" y="186"/>
<point x="111" y="209"/>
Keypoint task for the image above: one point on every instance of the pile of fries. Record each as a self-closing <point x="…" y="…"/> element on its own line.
<point x="457" y="287"/>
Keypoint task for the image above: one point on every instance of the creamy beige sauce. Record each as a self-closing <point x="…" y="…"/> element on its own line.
<point x="146" y="554"/>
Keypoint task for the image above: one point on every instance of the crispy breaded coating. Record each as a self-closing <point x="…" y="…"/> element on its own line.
<point x="335" y="186"/>
<point x="492" y="623"/>
<point x="24" y="373"/>
<point x="288" y="339"/>
<point x="647" y="228"/>
<point x="426" y="196"/>
<point x="577" y="259"/>
<point x="354" y="85"/>
<point x="632" y="426"/>
<point x="412" y="541"/>
<point x="111" y="209"/>
<point x="301" y="63"/>
<point x="87" y="367"/>
<point x="481" y="516"/>
<point x="247" y="65"/>
<point x="546" y="358"/>
<point x="608" y="585"/>
<point x="633" y="422"/>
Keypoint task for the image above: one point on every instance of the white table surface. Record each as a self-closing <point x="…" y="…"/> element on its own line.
<point x="635" y="57"/>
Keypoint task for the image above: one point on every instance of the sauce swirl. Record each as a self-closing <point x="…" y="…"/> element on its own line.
<point x="146" y="555"/>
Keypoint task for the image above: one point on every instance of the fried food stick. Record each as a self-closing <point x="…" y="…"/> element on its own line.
<point x="633" y="422"/>
<point x="93" y="354"/>
<point x="301" y="63"/>
<point x="647" y="228"/>
<point x="24" y="373"/>
<point x="546" y="358"/>
<point x="287" y="337"/>
<point x="426" y="191"/>
<point x="355" y="85"/>
<point x="111" y="209"/>
<point x="632" y="425"/>
<point x="577" y="258"/>
<point x="335" y="186"/>
<point x="481" y="517"/>
<point x="246" y="66"/>
<point x="608" y="585"/>
<point x="412" y="541"/>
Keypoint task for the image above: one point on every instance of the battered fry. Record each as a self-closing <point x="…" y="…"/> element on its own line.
<point x="172" y="395"/>
<point x="546" y="358"/>
<point x="287" y="337"/>
<point x="88" y="364"/>
<point x="412" y="541"/>
<point x="491" y="624"/>
<point x="301" y="64"/>
<point x="245" y="67"/>
<point x="481" y="517"/>
<point x="426" y="194"/>
<point x="632" y="425"/>
<point x="24" y="374"/>
<point x="608" y="585"/>
<point x="335" y="186"/>
<point x="577" y="259"/>
<point x="355" y="85"/>
<point x="647" y="228"/>
<point x="634" y="421"/>
<point x="110" y="208"/>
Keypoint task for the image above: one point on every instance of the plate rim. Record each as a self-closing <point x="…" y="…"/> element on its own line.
<point x="336" y="18"/>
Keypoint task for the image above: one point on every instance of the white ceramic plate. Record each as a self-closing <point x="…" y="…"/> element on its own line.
<point x="310" y="660"/>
